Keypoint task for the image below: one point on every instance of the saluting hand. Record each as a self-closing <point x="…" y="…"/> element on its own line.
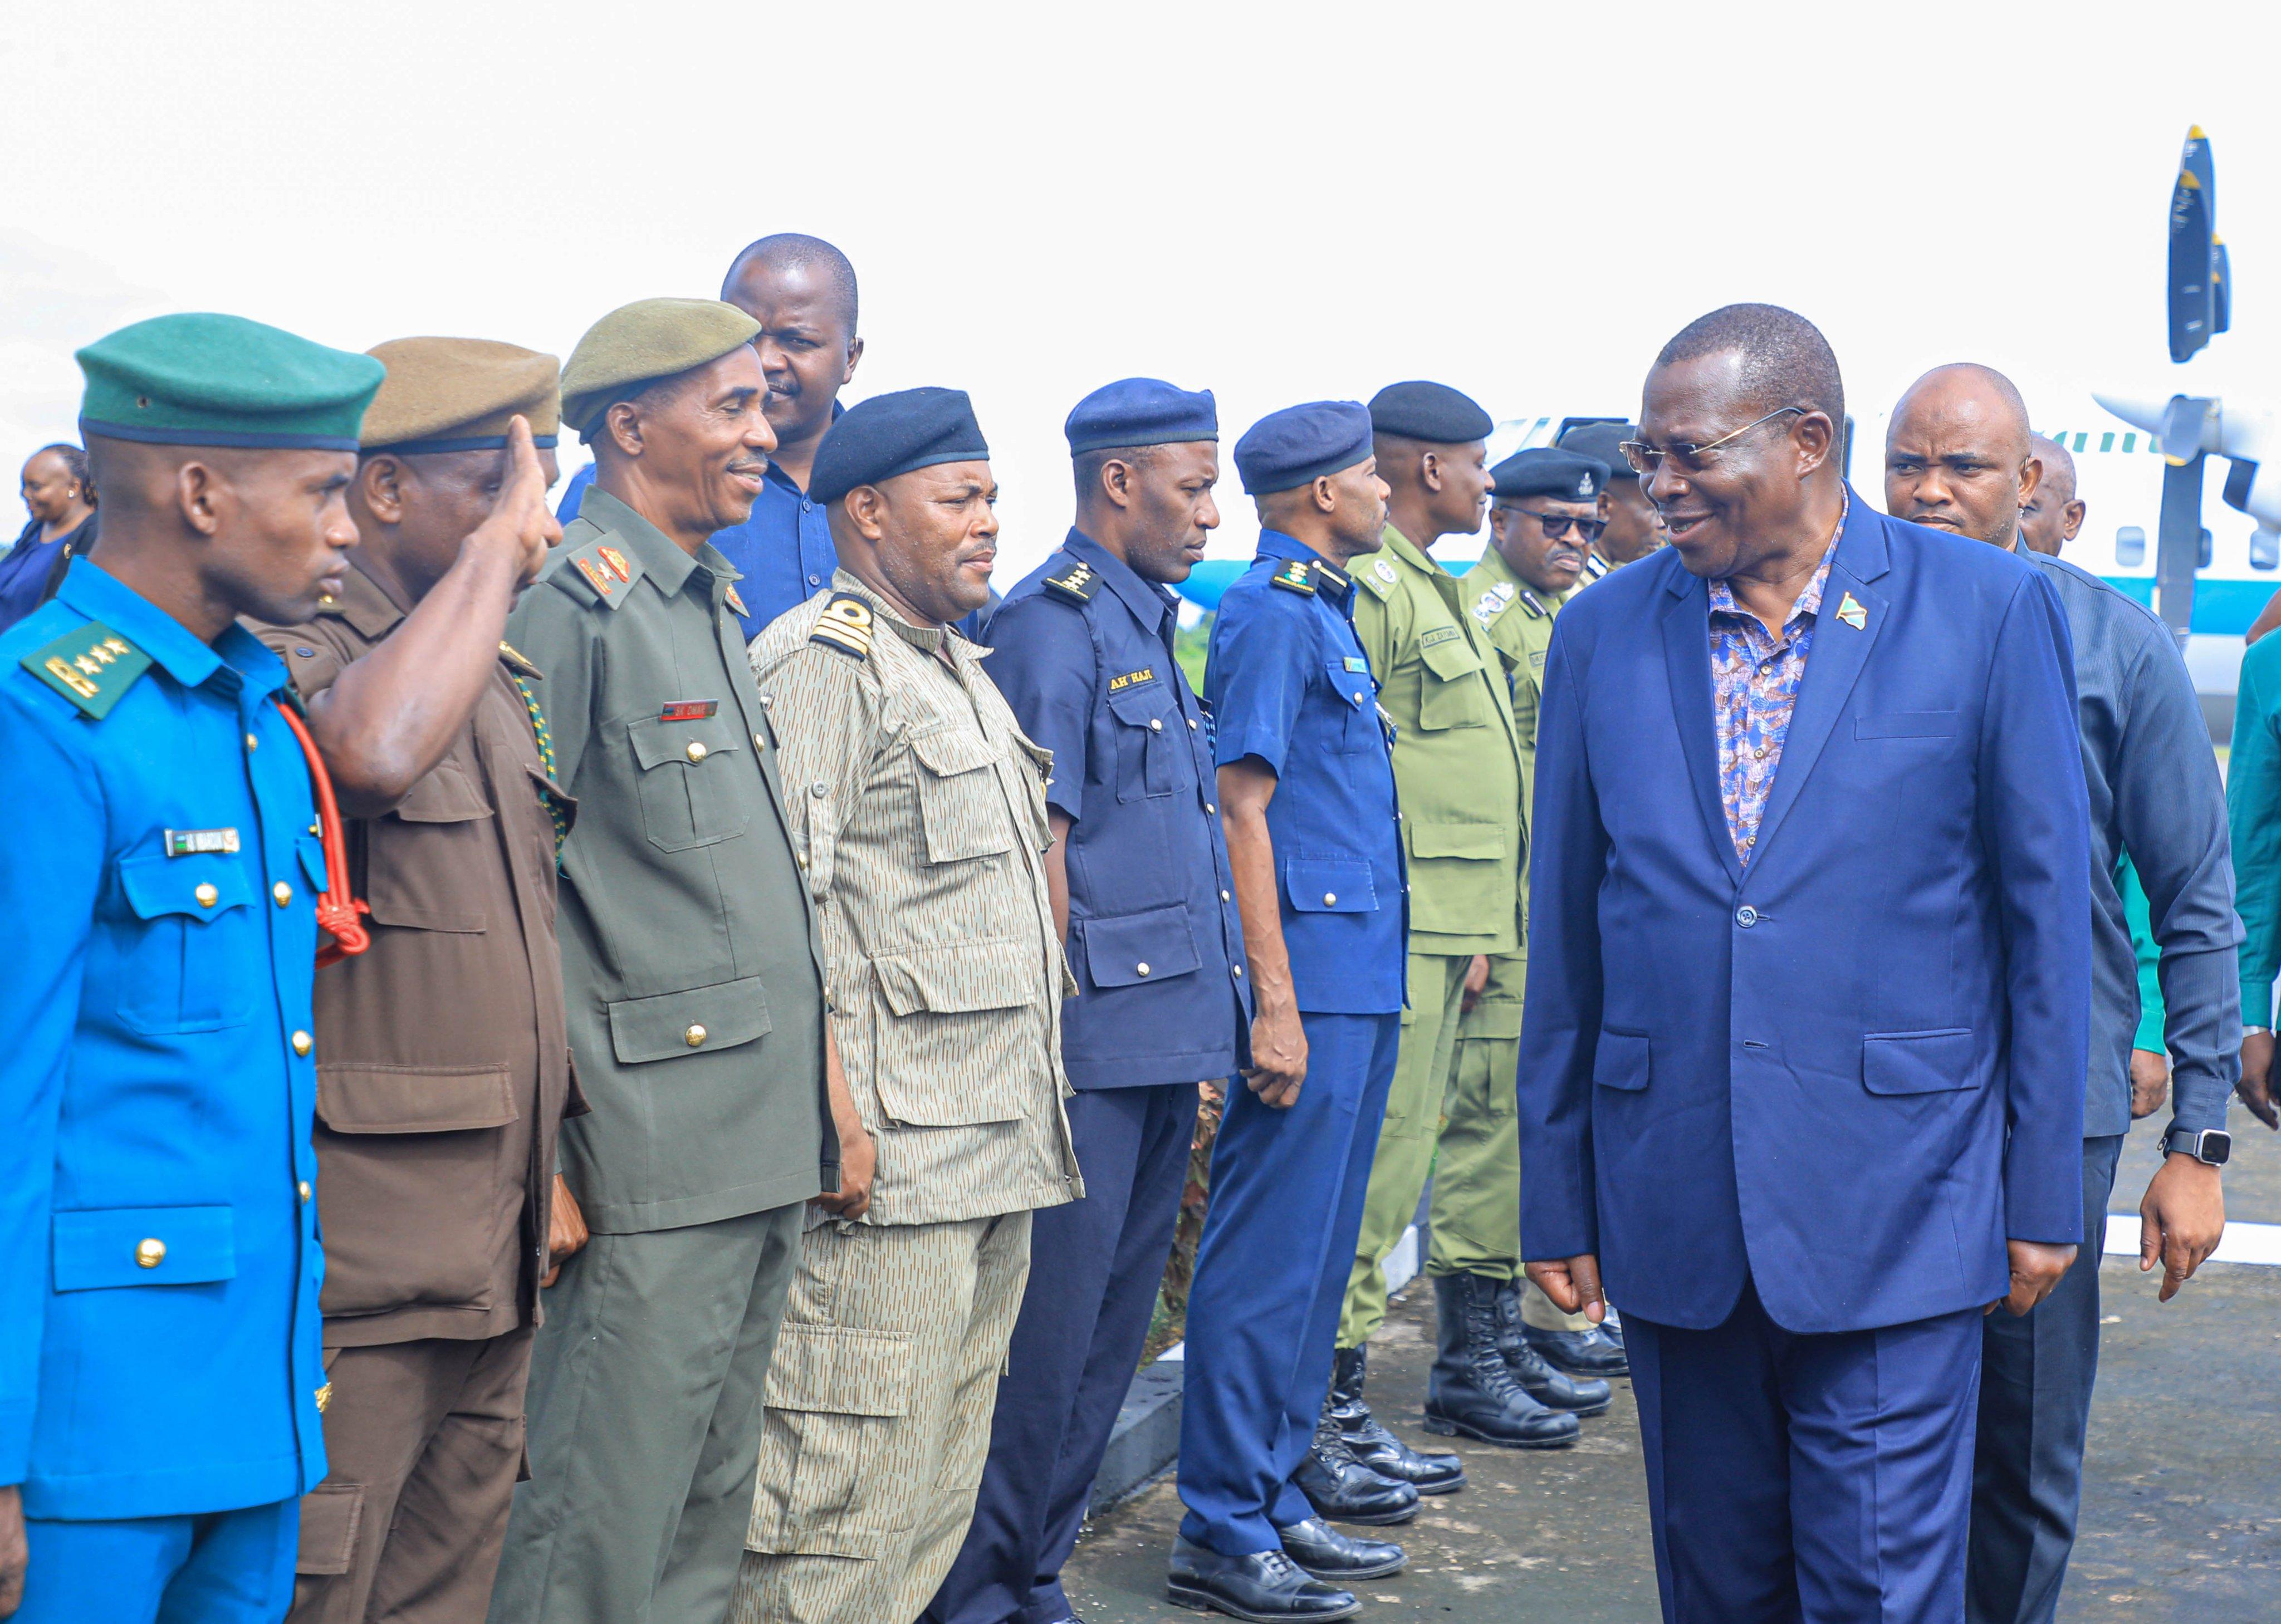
<point x="518" y="518"/>
<point x="1278" y="1056"/>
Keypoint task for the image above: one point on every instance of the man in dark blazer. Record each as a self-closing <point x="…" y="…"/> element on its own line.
<point x="1802" y="1066"/>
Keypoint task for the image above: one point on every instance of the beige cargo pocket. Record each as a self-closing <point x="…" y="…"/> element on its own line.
<point x="945" y="1042"/>
<point x="828" y="1484"/>
<point x="963" y="812"/>
<point x="331" y="1514"/>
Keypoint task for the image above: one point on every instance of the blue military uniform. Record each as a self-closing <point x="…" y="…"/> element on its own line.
<point x="161" y="1383"/>
<point x="1083" y="653"/>
<point x="1289" y="683"/>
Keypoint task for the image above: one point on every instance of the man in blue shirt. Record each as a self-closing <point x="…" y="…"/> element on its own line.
<point x="1306" y="788"/>
<point x="1140" y="882"/>
<point x="160" y="1377"/>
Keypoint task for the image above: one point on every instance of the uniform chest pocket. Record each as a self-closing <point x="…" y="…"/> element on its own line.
<point x="420" y="857"/>
<point x="690" y="781"/>
<point x="1357" y="729"/>
<point x="1454" y="694"/>
<point x="188" y="951"/>
<point x="963" y="811"/>
<point x="1149" y="750"/>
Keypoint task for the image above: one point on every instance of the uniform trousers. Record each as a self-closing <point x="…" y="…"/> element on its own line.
<point x="645" y="1424"/>
<point x="879" y="1417"/>
<point x="1271" y="1267"/>
<point x="2037" y="1371"/>
<point x="1476" y="1210"/>
<point x="425" y="1441"/>
<point x="1094" y="1268"/>
<point x="219" y="1567"/>
<point x="1404" y="1158"/>
<point x="1819" y="1478"/>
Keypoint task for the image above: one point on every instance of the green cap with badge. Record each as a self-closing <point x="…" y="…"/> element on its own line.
<point x="200" y="379"/>
<point x="638" y="344"/>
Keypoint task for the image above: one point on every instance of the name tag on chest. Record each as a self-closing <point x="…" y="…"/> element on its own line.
<point x="688" y="710"/>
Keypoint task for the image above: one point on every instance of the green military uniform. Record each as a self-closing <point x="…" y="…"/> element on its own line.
<point x="1458" y="765"/>
<point x="1476" y="1205"/>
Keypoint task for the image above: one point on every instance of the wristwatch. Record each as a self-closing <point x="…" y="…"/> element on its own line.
<point x="2209" y="1145"/>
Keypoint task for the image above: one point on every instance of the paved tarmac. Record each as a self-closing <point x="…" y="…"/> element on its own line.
<point x="2182" y="1501"/>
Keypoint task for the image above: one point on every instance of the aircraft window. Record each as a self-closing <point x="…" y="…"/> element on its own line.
<point x="2130" y="547"/>
<point x="2129" y="442"/>
<point x="2079" y="439"/>
<point x="2106" y="441"/>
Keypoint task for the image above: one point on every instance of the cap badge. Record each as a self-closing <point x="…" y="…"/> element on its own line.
<point x="1849" y="611"/>
<point x="1584" y="486"/>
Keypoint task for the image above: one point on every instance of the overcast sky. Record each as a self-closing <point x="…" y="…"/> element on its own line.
<point x="1280" y="203"/>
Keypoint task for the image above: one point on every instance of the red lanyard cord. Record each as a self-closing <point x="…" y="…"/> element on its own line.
<point x="337" y="909"/>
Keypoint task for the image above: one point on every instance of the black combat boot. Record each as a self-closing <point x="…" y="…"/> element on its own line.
<point x="1340" y="1487"/>
<point x="1472" y="1390"/>
<point x="1551" y="1388"/>
<point x="1373" y="1445"/>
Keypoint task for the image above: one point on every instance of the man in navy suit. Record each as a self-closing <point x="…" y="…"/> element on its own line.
<point x="1810" y="779"/>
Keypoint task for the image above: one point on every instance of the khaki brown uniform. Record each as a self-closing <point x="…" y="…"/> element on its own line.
<point x="1480" y="1147"/>
<point x="442" y="1073"/>
<point x="1456" y="765"/>
<point x="694" y="983"/>
<point x="919" y="815"/>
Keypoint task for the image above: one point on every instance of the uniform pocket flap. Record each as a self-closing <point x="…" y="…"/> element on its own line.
<point x="413" y="1100"/>
<point x="1492" y="1017"/>
<point x="1622" y="1060"/>
<point x="159" y="885"/>
<point x="677" y="1023"/>
<point x="657" y="740"/>
<point x="330" y="1516"/>
<point x="1482" y="840"/>
<point x="1907" y="725"/>
<point x="1451" y="658"/>
<point x="960" y="977"/>
<point x="948" y="751"/>
<point x="837" y="1370"/>
<point x="1353" y="686"/>
<point x="144" y="1246"/>
<point x="1319" y="885"/>
<point x="446" y="795"/>
<point x="312" y="860"/>
<point x="1137" y="706"/>
<point x="1919" y="1062"/>
<point x="1139" y="947"/>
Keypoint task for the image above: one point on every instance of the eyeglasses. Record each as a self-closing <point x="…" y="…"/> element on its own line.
<point x="1645" y="458"/>
<point x="1558" y="525"/>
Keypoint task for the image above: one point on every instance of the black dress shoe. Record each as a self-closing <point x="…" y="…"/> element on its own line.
<point x="1553" y="1388"/>
<point x="1328" y="1554"/>
<point x="1265" y="1587"/>
<point x="1472" y="1390"/>
<point x="1579" y="1353"/>
<point x="1376" y="1447"/>
<point x="1342" y="1488"/>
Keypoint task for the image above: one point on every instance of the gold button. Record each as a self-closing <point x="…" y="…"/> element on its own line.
<point x="283" y="892"/>
<point x="1330" y="898"/>
<point x="1155" y="724"/>
<point x="696" y="750"/>
<point x="1142" y="968"/>
<point x="207" y="895"/>
<point x="695" y="1037"/>
<point x="800" y="857"/>
<point x="303" y="1043"/>
<point x="315" y="827"/>
<point x="324" y="1398"/>
<point x="756" y="742"/>
<point x="151" y="1253"/>
<point x="252" y="743"/>
<point x="305" y="1191"/>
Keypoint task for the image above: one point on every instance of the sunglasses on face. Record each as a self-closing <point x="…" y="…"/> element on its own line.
<point x="1645" y="458"/>
<point x="1556" y="526"/>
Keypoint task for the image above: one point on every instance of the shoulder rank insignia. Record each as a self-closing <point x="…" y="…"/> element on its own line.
<point x="1530" y="604"/>
<point x="1595" y="565"/>
<point x="518" y="662"/>
<point x="616" y="562"/>
<point x="1384" y="572"/>
<point x="845" y="625"/>
<point x="1075" y="582"/>
<point x="92" y="666"/>
<point x="1849" y="611"/>
<point x="1296" y="575"/>
<point x="1493" y="602"/>
<point x="1325" y="576"/>
<point x="736" y="603"/>
<point x="606" y="570"/>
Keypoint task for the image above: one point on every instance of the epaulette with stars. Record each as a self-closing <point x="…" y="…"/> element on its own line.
<point x="845" y="625"/>
<point x="92" y="666"/>
<point x="1075" y="582"/>
<point x="605" y="569"/>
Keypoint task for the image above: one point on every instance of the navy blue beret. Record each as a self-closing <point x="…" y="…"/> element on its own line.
<point x="888" y="434"/>
<point x="1289" y="448"/>
<point x="1434" y="412"/>
<point x="1140" y="411"/>
<point x="1544" y="472"/>
<point x="1603" y="441"/>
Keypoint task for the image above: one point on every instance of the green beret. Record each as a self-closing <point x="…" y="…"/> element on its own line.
<point x="457" y="395"/>
<point x="207" y="380"/>
<point x="641" y="343"/>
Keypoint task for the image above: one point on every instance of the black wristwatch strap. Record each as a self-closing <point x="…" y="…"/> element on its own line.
<point x="2210" y="1146"/>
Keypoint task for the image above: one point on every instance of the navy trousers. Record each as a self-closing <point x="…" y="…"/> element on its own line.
<point x="1095" y="1265"/>
<point x="1808" y="1479"/>
<point x="1278" y="1240"/>
<point x="2035" y="1408"/>
<point x="221" y="1567"/>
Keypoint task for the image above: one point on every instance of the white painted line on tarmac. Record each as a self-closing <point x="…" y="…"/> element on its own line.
<point x="2244" y="1243"/>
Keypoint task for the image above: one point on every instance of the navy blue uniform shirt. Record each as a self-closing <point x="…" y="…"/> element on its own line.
<point x="1083" y="651"/>
<point x="1289" y="683"/>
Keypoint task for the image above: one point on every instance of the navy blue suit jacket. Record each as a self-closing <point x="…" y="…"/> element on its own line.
<point x="1850" y="1072"/>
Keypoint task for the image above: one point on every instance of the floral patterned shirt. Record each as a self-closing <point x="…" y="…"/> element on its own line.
<point x="1754" y="682"/>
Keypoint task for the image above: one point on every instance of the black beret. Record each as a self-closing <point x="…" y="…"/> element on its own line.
<point x="888" y="434"/>
<point x="1544" y="472"/>
<point x="1140" y="411"/>
<point x="1287" y="448"/>
<point x="1602" y="441"/>
<point x="1434" y="412"/>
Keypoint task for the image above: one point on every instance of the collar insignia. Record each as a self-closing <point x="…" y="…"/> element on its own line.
<point x="736" y="603"/>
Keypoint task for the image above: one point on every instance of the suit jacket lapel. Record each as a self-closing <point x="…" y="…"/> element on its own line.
<point x="1687" y="661"/>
